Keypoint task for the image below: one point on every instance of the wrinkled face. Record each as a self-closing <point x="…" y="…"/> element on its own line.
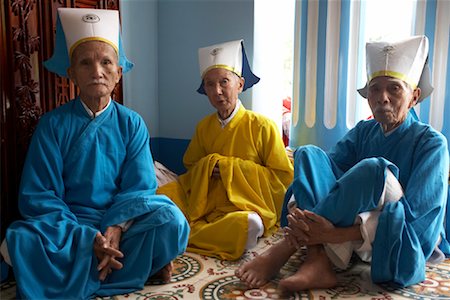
<point x="390" y="100"/>
<point x="222" y="88"/>
<point x="94" y="69"/>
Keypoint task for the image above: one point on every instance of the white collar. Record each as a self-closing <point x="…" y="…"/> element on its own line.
<point x="386" y="134"/>
<point x="224" y="123"/>
<point x="91" y="113"/>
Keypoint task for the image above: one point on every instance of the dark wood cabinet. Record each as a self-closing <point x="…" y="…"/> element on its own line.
<point x="28" y="90"/>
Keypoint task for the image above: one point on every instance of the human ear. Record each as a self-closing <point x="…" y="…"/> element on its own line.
<point x="70" y="75"/>
<point x="415" y="97"/>
<point x="119" y="74"/>
<point x="241" y="84"/>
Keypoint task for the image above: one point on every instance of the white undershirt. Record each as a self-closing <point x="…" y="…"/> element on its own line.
<point x="91" y="113"/>
<point x="224" y="123"/>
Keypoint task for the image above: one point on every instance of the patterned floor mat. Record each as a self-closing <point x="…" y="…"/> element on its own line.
<point x="201" y="277"/>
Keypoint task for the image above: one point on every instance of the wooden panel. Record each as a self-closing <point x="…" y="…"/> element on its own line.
<point x="28" y="90"/>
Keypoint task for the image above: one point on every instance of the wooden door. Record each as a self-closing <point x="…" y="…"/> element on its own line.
<point x="28" y="90"/>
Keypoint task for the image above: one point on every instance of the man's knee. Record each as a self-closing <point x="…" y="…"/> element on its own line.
<point x="305" y="152"/>
<point x="179" y="227"/>
<point x="368" y="163"/>
<point x="369" y="170"/>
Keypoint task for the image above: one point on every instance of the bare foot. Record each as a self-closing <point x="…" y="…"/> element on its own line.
<point x="261" y="269"/>
<point x="315" y="273"/>
<point x="165" y="274"/>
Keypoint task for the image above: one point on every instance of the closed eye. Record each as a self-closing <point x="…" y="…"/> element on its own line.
<point x="106" y="62"/>
<point x="394" y="88"/>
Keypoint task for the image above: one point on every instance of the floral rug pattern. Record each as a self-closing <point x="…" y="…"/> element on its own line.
<point x="200" y="277"/>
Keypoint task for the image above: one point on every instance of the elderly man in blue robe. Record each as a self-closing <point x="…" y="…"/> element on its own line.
<point x="93" y="224"/>
<point x="381" y="191"/>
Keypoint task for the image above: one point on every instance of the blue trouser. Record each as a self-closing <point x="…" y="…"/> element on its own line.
<point x="148" y="250"/>
<point x="319" y="186"/>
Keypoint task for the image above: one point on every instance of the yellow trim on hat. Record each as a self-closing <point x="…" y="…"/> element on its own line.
<point x="222" y="67"/>
<point x="394" y="74"/>
<point x="93" y="38"/>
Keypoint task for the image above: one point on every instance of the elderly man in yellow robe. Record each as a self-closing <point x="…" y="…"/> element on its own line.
<point x="237" y="167"/>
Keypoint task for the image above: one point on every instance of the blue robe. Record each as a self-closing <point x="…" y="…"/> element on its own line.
<point x="349" y="180"/>
<point x="82" y="175"/>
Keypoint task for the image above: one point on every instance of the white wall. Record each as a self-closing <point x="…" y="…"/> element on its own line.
<point x="273" y="38"/>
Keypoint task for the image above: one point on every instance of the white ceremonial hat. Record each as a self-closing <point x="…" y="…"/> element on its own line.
<point x="230" y="56"/>
<point x="83" y="24"/>
<point x="226" y="56"/>
<point x="405" y="60"/>
<point x="77" y="25"/>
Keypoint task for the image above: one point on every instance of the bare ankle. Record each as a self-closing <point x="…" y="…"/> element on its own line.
<point x="315" y="272"/>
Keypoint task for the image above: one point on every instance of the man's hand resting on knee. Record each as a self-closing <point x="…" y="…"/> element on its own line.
<point x="106" y="249"/>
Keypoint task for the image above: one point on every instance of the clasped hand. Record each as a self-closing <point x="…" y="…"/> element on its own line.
<point x="307" y="228"/>
<point x="216" y="172"/>
<point x="106" y="249"/>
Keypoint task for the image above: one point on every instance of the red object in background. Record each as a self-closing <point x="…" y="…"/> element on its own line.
<point x="287" y="104"/>
<point x="286" y="120"/>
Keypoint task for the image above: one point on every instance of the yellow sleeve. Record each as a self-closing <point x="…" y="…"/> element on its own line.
<point x="196" y="149"/>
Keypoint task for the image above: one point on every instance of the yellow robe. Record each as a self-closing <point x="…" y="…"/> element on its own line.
<point x="255" y="172"/>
